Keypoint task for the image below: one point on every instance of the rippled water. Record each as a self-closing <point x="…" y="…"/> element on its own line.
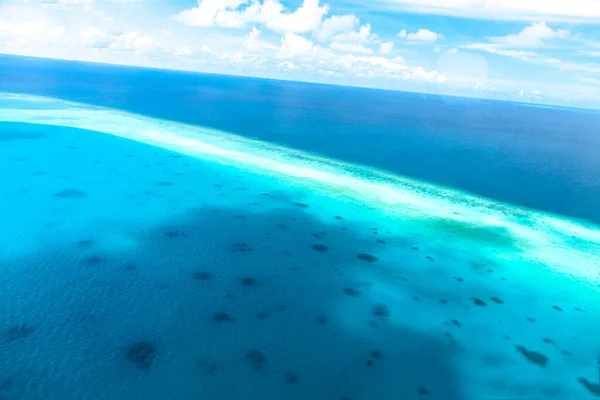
<point x="147" y="259"/>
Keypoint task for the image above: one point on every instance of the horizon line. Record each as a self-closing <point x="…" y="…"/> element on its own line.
<point x="190" y="71"/>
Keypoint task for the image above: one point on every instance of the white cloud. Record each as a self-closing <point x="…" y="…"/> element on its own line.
<point x="453" y="50"/>
<point x="367" y="63"/>
<point x="222" y="13"/>
<point x="437" y="49"/>
<point x="382" y="67"/>
<point x="422" y="35"/>
<point x="288" y="65"/>
<point x="132" y="41"/>
<point x="536" y="58"/>
<point x="252" y="41"/>
<point x="94" y="37"/>
<point x="363" y="35"/>
<point x="532" y="36"/>
<point x="334" y="25"/>
<point x="386" y="48"/>
<point x="128" y="41"/>
<point x="421" y="75"/>
<point x="495" y="49"/>
<point x="67" y="3"/>
<point x="293" y="45"/>
<point x="560" y="10"/>
<point x="304" y="19"/>
<point x="351" y="47"/>
<point x="271" y="13"/>
<point x="19" y="27"/>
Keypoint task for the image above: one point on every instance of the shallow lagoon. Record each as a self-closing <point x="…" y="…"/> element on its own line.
<point x="149" y="259"/>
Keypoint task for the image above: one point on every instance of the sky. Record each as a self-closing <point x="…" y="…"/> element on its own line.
<point x="538" y="51"/>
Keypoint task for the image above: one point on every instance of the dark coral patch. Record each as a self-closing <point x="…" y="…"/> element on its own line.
<point x="380" y="310"/>
<point x="497" y="300"/>
<point x="257" y="360"/>
<point x="319" y="247"/>
<point x="262" y="315"/>
<point x="377" y="354"/>
<point x="174" y="234"/>
<point x="290" y="378"/>
<point x="202" y="276"/>
<point x="141" y="354"/>
<point x="241" y="247"/>
<point x="366" y="257"/>
<point x="352" y="292"/>
<point x="478" y="302"/>
<point x="593" y="388"/>
<point x="533" y="356"/>
<point x="18" y="332"/>
<point x="249" y="281"/>
<point x="93" y="260"/>
<point x="69" y="194"/>
<point x="221" y="317"/>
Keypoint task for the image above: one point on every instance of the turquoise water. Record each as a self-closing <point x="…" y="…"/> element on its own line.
<point x="147" y="259"/>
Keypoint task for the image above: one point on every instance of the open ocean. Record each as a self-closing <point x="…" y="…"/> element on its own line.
<point x="172" y="235"/>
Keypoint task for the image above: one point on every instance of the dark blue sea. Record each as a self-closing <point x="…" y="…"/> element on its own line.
<point x="175" y="235"/>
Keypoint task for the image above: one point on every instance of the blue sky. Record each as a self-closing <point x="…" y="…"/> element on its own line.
<point x="540" y="51"/>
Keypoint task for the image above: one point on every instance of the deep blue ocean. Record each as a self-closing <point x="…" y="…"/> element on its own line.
<point x="173" y="235"/>
<point x="543" y="158"/>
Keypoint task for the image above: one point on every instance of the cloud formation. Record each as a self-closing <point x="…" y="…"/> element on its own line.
<point x="239" y="13"/>
<point x="422" y="35"/>
<point x="518" y="10"/>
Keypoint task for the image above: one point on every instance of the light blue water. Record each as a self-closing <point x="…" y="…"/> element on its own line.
<point x="244" y="270"/>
